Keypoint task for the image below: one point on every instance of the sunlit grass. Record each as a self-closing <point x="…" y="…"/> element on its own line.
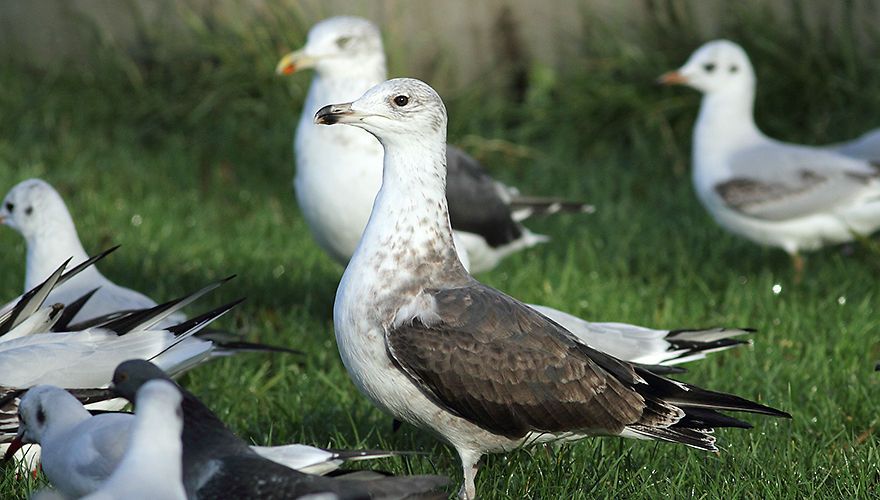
<point x="200" y="150"/>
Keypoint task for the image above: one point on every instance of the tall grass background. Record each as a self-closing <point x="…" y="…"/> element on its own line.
<point x="185" y="158"/>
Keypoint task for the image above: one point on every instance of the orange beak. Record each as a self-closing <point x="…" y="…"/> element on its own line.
<point x="672" y="78"/>
<point x="293" y="62"/>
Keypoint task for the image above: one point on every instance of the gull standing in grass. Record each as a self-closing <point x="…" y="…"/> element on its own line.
<point x="219" y="464"/>
<point x="433" y="347"/>
<point x="338" y="172"/>
<point x="790" y="196"/>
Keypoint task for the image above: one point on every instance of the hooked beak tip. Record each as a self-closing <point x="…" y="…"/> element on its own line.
<point x="332" y="114"/>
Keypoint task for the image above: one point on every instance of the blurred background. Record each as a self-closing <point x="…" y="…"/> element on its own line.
<point x="165" y="129"/>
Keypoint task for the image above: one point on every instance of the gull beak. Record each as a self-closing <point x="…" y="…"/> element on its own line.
<point x="337" y="113"/>
<point x="293" y="62"/>
<point x="672" y="78"/>
<point x="2" y="219"/>
<point x="14" y="446"/>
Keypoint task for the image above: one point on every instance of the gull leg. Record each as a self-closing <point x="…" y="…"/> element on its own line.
<point x="470" y="464"/>
<point x="798" y="263"/>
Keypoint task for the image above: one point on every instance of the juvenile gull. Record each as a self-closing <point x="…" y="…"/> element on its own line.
<point x="433" y="347"/>
<point x="338" y="171"/>
<point x="790" y="196"/>
<point x="218" y="464"/>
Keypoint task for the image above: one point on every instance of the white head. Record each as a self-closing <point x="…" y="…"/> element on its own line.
<point x="718" y="66"/>
<point x="33" y="207"/>
<point x="338" y="46"/>
<point x="402" y="109"/>
<point x="45" y="409"/>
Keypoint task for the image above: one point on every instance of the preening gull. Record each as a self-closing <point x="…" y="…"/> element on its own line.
<point x="218" y="464"/>
<point x="433" y="347"/>
<point x="773" y="193"/>
<point x="339" y="170"/>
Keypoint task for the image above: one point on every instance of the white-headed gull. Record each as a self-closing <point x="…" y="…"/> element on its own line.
<point x="217" y="463"/>
<point x="338" y="172"/>
<point x="432" y="346"/>
<point x="790" y="196"/>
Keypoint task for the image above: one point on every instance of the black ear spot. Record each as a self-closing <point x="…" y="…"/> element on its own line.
<point x="734" y="68"/>
<point x="28" y="210"/>
<point x="10" y="206"/>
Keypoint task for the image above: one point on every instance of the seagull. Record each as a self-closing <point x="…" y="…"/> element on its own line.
<point x="427" y="343"/>
<point x="80" y="451"/>
<point x="338" y="172"/>
<point x="218" y="464"/>
<point x="794" y="197"/>
<point x="35" y="209"/>
<point x="85" y="359"/>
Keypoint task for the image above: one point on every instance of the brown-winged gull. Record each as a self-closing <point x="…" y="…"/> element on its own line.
<point x="433" y="347"/>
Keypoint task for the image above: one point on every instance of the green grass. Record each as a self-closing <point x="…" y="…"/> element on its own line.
<point x="200" y="150"/>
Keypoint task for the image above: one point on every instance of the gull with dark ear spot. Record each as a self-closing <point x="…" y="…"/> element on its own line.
<point x="433" y="347"/>
<point x="795" y="197"/>
<point x="218" y="464"/>
<point x="339" y="170"/>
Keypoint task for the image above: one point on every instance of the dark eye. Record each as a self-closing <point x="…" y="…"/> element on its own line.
<point x="28" y="210"/>
<point x="41" y="417"/>
<point x="401" y="100"/>
<point x="342" y="41"/>
<point x="734" y="68"/>
<point x="10" y="206"/>
<point x="709" y="67"/>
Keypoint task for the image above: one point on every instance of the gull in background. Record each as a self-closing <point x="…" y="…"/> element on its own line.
<point x="338" y="172"/>
<point x="34" y="209"/>
<point x="427" y="343"/>
<point x="219" y="464"/>
<point x="150" y="467"/>
<point x="80" y="451"/>
<point x="794" y="197"/>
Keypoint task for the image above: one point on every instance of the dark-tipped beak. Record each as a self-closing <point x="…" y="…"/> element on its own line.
<point x="335" y="113"/>
<point x="672" y="78"/>
<point x="14" y="446"/>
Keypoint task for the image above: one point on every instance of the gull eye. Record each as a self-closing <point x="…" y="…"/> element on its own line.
<point x="10" y="206"/>
<point x="709" y="67"/>
<point x="401" y="100"/>
<point x="342" y="41"/>
<point x="41" y="416"/>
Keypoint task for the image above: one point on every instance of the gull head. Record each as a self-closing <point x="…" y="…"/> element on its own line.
<point x="338" y="45"/>
<point x="716" y="66"/>
<point x="31" y="206"/>
<point x="130" y="375"/>
<point x="399" y="108"/>
<point x="42" y="409"/>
